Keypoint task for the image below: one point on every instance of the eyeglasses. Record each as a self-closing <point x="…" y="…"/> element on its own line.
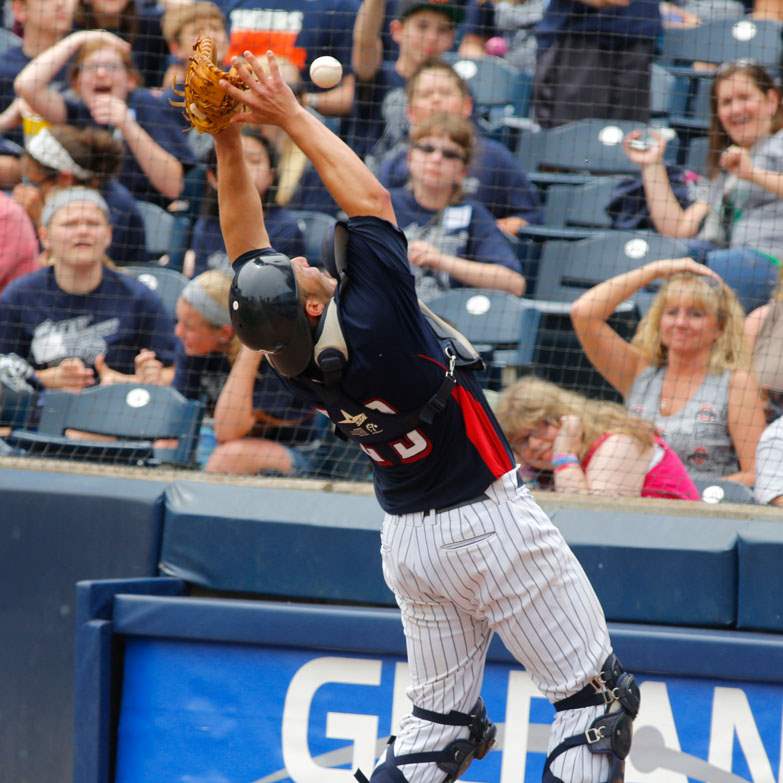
<point x="108" y="67"/>
<point x="446" y="153"/>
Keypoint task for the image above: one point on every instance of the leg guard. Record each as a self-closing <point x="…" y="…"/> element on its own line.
<point x="611" y="732"/>
<point x="454" y="759"/>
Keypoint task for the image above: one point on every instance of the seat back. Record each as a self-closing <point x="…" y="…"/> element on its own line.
<point x="492" y="81"/>
<point x="568" y="269"/>
<point x="130" y="412"/>
<point x="314" y="227"/>
<point x="697" y="154"/>
<point x="586" y="146"/>
<point x="166" y="283"/>
<point x="726" y="40"/>
<point x="580" y="205"/>
<point x="723" y="491"/>
<point x="158" y="227"/>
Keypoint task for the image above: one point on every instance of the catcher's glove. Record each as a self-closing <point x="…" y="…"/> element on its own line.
<point x="208" y="107"/>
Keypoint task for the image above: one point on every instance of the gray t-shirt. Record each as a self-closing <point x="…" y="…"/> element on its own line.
<point x="743" y="214"/>
<point x="699" y="432"/>
<point x="769" y="463"/>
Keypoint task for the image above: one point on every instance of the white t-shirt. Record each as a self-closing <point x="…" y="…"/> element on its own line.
<point x="769" y="463"/>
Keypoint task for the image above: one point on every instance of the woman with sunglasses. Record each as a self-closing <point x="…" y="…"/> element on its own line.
<point x="687" y="368"/>
<point x="737" y="219"/>
<point x="589" y="446"/>
<point x="452" y="241"/>
<point x="108" y="93"/>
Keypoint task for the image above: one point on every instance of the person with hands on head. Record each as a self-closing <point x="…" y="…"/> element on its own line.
<point x="365" y="351"/>
<point x="590" y="446"/>
<point x="736" y="221"/>
<point x="687" y="368"/>
<point x="108" y="94"/>
<point x="77" y="321"/>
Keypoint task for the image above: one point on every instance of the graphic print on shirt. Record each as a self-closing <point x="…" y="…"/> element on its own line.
<point x="415" y="445"/>
<point x="260" y="29"/>
<point x="54" y="341"/>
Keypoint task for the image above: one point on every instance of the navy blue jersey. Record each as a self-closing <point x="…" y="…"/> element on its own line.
<point x="43" y="324"/>
<point x="299" y="30"/>
<point x="378" y="108"/>
<point x="280" y="415"/>
<point x="284" y="235"/>
<point x="396" y="364"/>
<point x="466" y="230"/>
<point x="495" y="179"/>
<point x="160" y="120"/>
<point x="128" y="239"/>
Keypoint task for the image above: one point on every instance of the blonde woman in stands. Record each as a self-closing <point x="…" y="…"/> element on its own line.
<point x="736" y="222"/>
<point x="590" y="446"/>
<point x="687" y="368"/>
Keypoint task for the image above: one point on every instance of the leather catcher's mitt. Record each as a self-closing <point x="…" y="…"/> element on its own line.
<point x="208" y="107"/>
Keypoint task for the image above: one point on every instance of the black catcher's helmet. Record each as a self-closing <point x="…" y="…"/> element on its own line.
<point x="266" y="312"/>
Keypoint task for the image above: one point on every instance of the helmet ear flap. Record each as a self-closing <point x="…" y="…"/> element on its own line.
<point x="266" y="312"/>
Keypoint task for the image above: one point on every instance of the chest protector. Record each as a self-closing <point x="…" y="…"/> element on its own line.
<point x="330" y="354"/>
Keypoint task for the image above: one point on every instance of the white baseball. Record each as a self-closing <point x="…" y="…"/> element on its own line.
<point x="326" y="72"/>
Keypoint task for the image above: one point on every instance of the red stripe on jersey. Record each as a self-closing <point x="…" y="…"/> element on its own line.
<point x="481" y="433"/>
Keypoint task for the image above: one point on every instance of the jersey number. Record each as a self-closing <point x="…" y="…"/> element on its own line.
<point x="413" y="446"/>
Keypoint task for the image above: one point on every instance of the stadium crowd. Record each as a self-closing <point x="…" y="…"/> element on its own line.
<point x="105" y="189"/>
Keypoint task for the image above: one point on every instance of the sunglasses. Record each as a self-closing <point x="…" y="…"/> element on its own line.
<point x="447" y="154"/>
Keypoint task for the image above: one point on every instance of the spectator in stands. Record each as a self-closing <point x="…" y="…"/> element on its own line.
<point x="516" y="21"/>
<point x="182" y="25"/>
<point x="19" y="248"/>
<point x="423" y="29"/>
<point x="687" y="367"/>
<point x="258" y="425"/>
<point x="78" y="321"/>
<point x="594" y="60"/>
<point x="590" y="446"/>
<point x="108" y="95"/>
<point x="62" y="156"/>
<point x="451" y="241"/>
<point x="737" y="221"/>
<point x="284" y="232"/>
<point x="769" y="465"/>
<point x="768" y="9"/>
<point x="44" y="22"/>
<point x="135" y="21"/>
<point x="764" y="337"/>
<point x="495" y="178"/>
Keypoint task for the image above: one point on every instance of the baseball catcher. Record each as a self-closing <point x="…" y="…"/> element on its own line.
<point x="465" y="548"/>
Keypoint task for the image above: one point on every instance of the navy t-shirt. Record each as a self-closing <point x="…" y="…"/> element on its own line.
<point x="43" y="324"/>
<point x="300" y="30"/>
<point x="128" y="241"/>
<point x="203" y="377"/>
<point x="377" y="103"/>
<point x="466" y="230"/>
<point x="162" y="122"/>
<point x="285" y="236"/>
<point x="615" y="25"/>
<point x="495" y="180"/>
<point x="396" y="364"/>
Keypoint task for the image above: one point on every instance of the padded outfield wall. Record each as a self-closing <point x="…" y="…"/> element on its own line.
<point x="693" y="594"/>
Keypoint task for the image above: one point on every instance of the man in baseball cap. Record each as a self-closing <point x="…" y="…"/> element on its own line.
<point x="450" y="8"/>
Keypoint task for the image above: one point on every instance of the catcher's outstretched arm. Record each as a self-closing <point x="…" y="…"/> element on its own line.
<point x="241" y="214"/>
<point x="269" y="100"/>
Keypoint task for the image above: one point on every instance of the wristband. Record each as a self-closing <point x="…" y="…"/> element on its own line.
<point x="564" y="460"/>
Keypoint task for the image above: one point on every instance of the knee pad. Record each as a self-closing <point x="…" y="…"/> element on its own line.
<point x="611" y="732"/>
<point x="454" y="759"/>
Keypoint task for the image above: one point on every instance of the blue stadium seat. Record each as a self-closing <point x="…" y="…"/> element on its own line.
<point x="314" y="226"/>
<point x="723" y="491"/>
<point x="568" y="269"/>
<point x="574" y="153"/>
<point x="136" y="414"/>
<point x="166" y="283"/>
<point x="696" y="159"/>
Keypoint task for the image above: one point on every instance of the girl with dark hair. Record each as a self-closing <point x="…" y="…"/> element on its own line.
<point x="107" y="94"/>
<point x="737" y="221"/>
<point x="62" y="156"/>
<point x="285" y="235"/>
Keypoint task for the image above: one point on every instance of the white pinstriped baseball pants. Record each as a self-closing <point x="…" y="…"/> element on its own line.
<point x="495" y="566"/>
